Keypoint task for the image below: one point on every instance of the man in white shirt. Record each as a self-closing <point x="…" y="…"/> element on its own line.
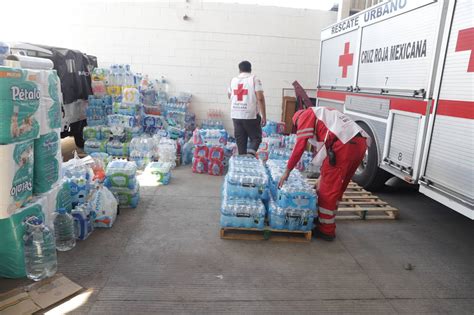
<point x="245" y="93"/>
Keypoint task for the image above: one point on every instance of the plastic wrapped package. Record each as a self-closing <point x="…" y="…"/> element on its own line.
<point x="12" y="229"/>
<point x="216" y="153"/>
<point x="167" y="151"/>
<point x="159" y="171"/>
<point x="200" y="165"/>
<point x="78" y="175"/>
<point x="216" y="167"/>
<point x="92" y="133"/>
<point x="95" y="146"/>
<point x="121" y="174"/>
<point x="242" y="213"/>
<point x="142" y="150"/>
<point x="16" y="190"/>
<point x="121" y="120"/>
<point x="118" y="148"/>
<point x="19" y="103"/>
<point x="103" y="207"/>
<point x="47" y="161"/>
<point x="293" y="219"/>
<point x="127" y="198"/>
<point x="187" y="153"/>
<point x="201" y="151"/>
<point x="83" y="222"/>
<point x="120" y="108"/>
<point x="152" y="123"/>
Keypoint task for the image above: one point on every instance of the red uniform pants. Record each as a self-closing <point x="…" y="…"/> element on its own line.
<point x="334" y="180"/>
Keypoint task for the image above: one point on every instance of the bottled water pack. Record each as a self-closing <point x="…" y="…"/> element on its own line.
<point x="94" y="146"/>
<point x="293" y="219"/>
<point x="83" y="225"/>
<point x="167" y="149"/>
<point x="142" y="150"/>
<point x="127" y="198"/>
<point x="242" y="213"/>
<point x="117" y="148"/>
<point x="92" y="133"/>
<point x="121" y="174"/>
<point x="246" y="178"/>
<point x="160" y="171"/>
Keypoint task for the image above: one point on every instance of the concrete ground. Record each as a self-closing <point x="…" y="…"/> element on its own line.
<point x="166" y="257"/>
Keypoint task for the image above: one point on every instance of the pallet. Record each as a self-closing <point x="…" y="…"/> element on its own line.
<point x="231" y="233"/>
<point x="360" y="204"/>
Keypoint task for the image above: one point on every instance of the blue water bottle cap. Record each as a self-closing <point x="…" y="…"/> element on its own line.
<point x="62" y="210"/>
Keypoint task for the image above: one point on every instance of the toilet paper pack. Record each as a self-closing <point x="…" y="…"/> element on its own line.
<point x="19" y="103"/>
<point x="11" y="247"/>
<point x="16" y="186"/>
<point x="48" y="160"/>
<point x="49" y="113"/>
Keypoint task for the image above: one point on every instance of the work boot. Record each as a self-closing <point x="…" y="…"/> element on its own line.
<point x="318" y="234"/>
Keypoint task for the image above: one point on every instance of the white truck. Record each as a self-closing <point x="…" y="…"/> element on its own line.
<point x="404" y="70"/>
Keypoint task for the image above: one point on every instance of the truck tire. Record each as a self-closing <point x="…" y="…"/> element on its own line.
<point x="76" y="130"/>
<point x="369" y="175"/>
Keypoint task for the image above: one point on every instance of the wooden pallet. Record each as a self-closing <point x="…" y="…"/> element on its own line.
<point x="360" y="204"/>
<point x="265" y="234"/>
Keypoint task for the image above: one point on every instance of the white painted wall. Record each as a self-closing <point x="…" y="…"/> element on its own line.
<point x="199" y="55"/>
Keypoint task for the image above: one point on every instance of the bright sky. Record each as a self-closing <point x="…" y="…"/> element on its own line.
<point x="302" y="4"/>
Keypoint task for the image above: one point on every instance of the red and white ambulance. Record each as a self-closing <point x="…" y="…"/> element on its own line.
<point x="404" y="70"/>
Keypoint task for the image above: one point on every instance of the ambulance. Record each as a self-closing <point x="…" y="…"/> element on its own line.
<point x="404" y="71"/>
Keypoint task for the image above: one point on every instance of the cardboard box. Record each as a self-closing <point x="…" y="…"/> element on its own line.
<point x="37" y="296"/>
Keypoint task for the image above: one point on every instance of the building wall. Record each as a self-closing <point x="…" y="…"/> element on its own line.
<point x="198" y="55"/>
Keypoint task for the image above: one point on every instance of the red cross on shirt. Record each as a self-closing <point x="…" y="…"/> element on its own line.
<point x="466" y="42"/>
<point x="240" y="92"/>
<point x="345" y="60"/>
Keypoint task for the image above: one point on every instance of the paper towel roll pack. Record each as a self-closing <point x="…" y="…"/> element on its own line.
<point x="48" y="158"/>
<point x="16" y="188"/>
<point x="49" y="112"/>
<point x="19" y="103"/>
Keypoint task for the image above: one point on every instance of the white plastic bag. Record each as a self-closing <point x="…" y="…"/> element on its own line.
<point x="103" y="207"/>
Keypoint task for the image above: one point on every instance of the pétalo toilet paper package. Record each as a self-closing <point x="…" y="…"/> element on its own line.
<point x="49" y="112"/>
<point x="16" y="173"/>
<point x="11" y="245"/>
<point x="47" y="161"/>
<point x="19" y="103"/>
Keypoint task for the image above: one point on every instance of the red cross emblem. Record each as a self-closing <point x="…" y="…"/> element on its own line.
<point x="466" y="42"/>
<point x="240" y="92"/>
<point x="345" y="60"/>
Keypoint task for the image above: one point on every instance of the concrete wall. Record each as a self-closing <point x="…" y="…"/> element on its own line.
<point x="198" y="55"/>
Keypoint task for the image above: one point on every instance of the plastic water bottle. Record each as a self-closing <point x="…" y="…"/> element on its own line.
<point x="64" y="231"/>
<point x="39" y="250"/>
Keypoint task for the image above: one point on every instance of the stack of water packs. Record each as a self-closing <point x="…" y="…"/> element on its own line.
<point x="244" y="187"/>
<point x="293" y="206"/>
<point x="122" y="181"/>
<point x="209" y="151"/>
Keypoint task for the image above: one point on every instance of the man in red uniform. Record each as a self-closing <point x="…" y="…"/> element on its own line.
<point x="341" y="145"/>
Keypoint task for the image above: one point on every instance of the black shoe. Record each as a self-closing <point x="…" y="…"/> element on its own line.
<point x="318" y="234"/>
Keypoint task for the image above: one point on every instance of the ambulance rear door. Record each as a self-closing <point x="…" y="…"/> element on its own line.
<point x="448" y="162"/>
<point x="397" y="59"/>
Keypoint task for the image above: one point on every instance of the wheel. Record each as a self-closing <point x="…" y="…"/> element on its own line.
<point x="76" y="130"/>
<point x="368" y="174"/>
